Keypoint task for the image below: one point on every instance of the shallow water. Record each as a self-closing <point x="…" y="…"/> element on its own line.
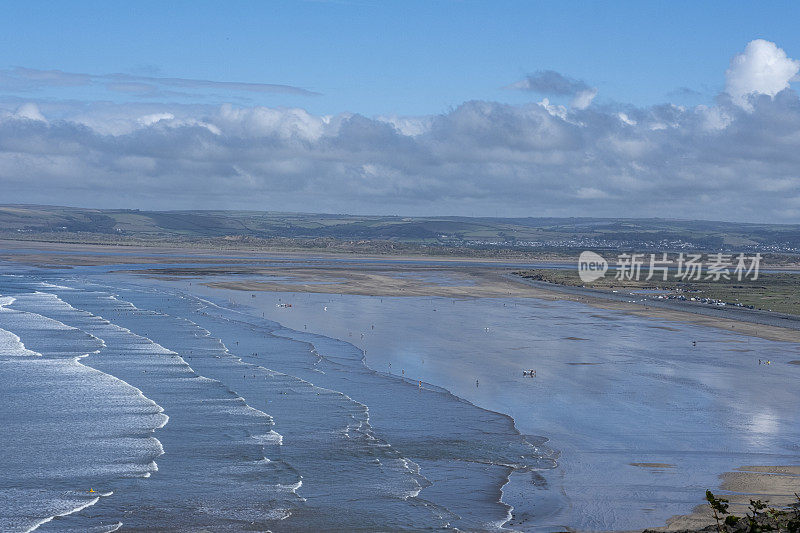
<point x="190" y="415"/>
<point x="614" y="393"/>
<point x="180" y="406"/>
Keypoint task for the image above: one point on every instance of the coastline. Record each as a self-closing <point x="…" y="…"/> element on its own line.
<point x="491" y="284"/>
<point x="339" y="273"/>
<point x="762" y="486"/>
<point x="426" y="278"/>
<point x="777" y="485"/>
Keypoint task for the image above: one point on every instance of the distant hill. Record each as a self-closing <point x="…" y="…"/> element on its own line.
<point x="29" y="221"/>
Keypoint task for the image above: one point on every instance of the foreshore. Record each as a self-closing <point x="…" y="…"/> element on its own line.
<point x="777" y="485"/>
<point x="478" y="282"/>
<point x="456" y="279"/>
<point x="372" y="275"/>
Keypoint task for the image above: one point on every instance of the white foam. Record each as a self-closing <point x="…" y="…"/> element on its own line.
<point x="76" y="509"/>
<point x="272" y="438"/>
<point x="53" y="286"/>
<point x="11" y="344"/>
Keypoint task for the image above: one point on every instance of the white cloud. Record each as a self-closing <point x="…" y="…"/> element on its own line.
<point x="30" y="111"/>
<point x="583" y="99"/>
<point x="149" y="120"/>
<point x="556" y="110"/>
<point x="411" y="126"/>
<point x="272" y="122"/>
<point x="763" y="68"/>
<point x="720" y="161"/>
<point x="714" y="118"/>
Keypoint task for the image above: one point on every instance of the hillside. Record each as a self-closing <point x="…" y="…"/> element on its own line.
<point x="57" y="223"/>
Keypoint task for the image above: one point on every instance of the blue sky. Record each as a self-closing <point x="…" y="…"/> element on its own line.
<point x="407" y="58"/>
<point x="670" y="109"/>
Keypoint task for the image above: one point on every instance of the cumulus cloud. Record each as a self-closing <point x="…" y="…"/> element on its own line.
<point x="721" y="161"/>
<point x="148" y="120"/>
<point x="29" y="111"/>
<point x="659" y="161"/>
<point x="583" y="99"/>
<point x="763" y="68"/>
<point x="550" y="82"/>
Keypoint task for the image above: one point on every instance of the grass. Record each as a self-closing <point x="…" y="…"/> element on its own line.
<point x="774" y="291"/>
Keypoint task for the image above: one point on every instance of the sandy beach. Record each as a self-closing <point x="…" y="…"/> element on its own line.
<point x="776" y="484"/>
<point x="477" y="282"/>
<point x="418" y="278"/>
<point x="779" y="485"/>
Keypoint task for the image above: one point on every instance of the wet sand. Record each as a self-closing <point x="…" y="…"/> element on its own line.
<point x="776" y="484"/>
<point x="372" y="276"/>
<point x="475" y="283"/>
<point x="388" y="278"/>
<point x="759" y="485"/>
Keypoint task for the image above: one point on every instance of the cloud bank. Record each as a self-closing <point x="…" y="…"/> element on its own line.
<point x="737" y="160"/>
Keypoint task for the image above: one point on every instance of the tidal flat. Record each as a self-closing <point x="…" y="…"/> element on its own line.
<point x="232" y="405"/>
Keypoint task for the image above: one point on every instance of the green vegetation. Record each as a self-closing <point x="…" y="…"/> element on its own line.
<point x="759" y="518"/>
<point x="23" y="221"/>
<point x="778" y="292"/>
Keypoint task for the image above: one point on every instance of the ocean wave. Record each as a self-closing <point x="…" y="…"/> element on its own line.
<point x="399" y="462"/>
<point x="58" y="366"/>
<point x="60" y="503"/>
<point x="503" y="447"/>
<point x="12" y="345"/>
<point x="359" y="427"/>
<point x="165" y="362"/>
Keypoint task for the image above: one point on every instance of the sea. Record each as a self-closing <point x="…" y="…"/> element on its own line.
<point x="132" y="403"/>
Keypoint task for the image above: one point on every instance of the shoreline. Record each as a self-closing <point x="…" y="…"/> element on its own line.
<point x="486" y="277"/>
<point x="763" y="485"/>
<point x="776" y="485"/>
<point x="359" y="276"/>
<point x="288" y="332"/>
<point x="489" y="284"/>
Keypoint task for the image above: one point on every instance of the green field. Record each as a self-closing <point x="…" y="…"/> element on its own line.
<point x="778" y="292"/>
<point x="131" y="225"/>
